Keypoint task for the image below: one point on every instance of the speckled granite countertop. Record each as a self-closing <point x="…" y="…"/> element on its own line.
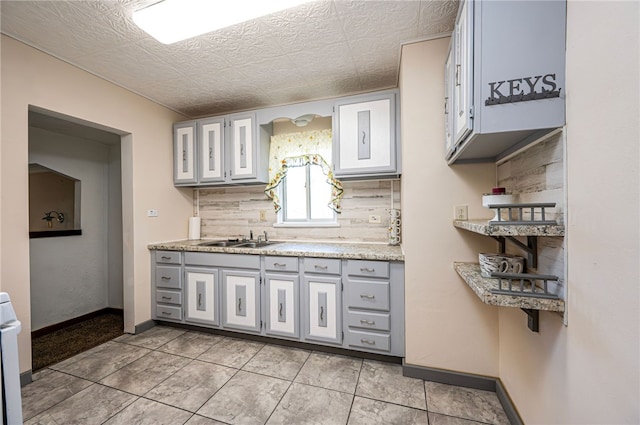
<point x="484" y="228"/>
<point x="357" y="251"/>
<point x="470" y="272"/>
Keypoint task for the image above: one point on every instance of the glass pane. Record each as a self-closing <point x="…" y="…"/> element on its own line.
<point x="320" y="194"/>
<point x="296" y="194"/>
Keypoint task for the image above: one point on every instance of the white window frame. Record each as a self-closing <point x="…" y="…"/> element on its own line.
<point x="308" y="222"/>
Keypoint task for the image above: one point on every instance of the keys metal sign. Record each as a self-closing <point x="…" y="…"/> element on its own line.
<point x="523" y="89"/>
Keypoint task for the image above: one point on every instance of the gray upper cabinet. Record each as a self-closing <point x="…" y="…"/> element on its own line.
<point x="219" y="151"/>
<point x="505" y="77"/>
<point x="365" y="136"/>
<point x="184" y="153"/>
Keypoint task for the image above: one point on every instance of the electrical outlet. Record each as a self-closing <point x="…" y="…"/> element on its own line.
<point x="460" y="212"/>
<point x="263" y="215"/>
<point x="374" y="219"/>
<point x="152" y="213"/>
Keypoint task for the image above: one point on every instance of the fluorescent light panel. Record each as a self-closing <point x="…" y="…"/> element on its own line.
<point x="170" y="21"/>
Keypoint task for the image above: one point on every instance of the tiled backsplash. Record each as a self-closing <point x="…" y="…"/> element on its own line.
<point x="537" y="175"/>
<point x="233" y="211"/>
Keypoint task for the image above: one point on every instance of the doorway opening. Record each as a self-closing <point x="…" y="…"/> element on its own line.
<point x="77" y="279"/>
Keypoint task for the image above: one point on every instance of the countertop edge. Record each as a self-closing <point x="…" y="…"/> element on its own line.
<point x="356" y="251"/>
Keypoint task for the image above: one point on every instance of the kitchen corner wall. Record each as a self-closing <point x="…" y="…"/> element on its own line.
<point x="447" y="326"/>
<point x="234" y="211"/>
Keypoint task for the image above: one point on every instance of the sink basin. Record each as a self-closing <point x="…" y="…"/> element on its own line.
<point x="255" y="244"/>
<point x="219" y="243"/>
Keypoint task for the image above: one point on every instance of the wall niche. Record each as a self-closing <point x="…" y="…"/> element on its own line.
<point x="54" y="203"/>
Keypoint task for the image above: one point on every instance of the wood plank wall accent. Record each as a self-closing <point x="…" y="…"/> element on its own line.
<point x="232" y="211"/>
<point x="537" y="175"/>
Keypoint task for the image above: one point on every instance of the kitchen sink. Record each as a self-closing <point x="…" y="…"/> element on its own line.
<point x="238" y="244"/>
<point x="220" y="243"/>
<point x="255" y="244"/>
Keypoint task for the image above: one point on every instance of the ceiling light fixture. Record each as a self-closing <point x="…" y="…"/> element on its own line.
<point x="170" y="21"/>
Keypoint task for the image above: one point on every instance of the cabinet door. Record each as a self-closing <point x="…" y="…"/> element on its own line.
<point x="365" y="138"/>
<point x="211" y="150"/>
<point x="463" y="72"/>
<point x="243" y="146"/>
<point x="322" y="316"/>
<point x="241" y="298"/>
<point x="202" y="296"/>
<point x="448" y="104"/>
<point x="184" y="153"/>
<point x="282" y="304"/>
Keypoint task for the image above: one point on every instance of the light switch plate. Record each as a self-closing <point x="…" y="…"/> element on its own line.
<point x="152" y="213"/>
<point x="374" y="219"/>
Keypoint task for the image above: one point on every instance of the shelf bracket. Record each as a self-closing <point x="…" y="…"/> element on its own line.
<point x="531" y="247"/>
<point x="533" y="319"/>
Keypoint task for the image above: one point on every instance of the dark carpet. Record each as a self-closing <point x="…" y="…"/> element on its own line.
<point x="74" y="339"/>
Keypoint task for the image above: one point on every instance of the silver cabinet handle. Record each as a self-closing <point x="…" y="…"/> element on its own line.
<point x="367" y="297"/>
<point x="166" y="298"/>
<point x="239" y="304"/>
<point x="321" y="314"/>
<point x="367" y="270"/>
<point x="210" y="152"/>
<point x="367" y="341"/>
<point x="367" y="322"/>
<point x="319" y="267"/>
<point x="199" y="300"/>
<point x="165" y="258"/>
<point x="279" y="265"/>
<point x="165" y="278"/>
<point x="457" y="75"/>
<point x="280" y="310"/>
<point x="167" y="314"/>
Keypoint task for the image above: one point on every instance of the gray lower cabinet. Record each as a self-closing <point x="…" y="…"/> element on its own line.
<point x="321" y="300"/>
<point x="167" y="285"/>
<point x="374" y="306"/>
<point x="201" y="295"/>
<point x="353" y="304"/>
<point x="281" y="297"/>
<point x="241" y="300"/>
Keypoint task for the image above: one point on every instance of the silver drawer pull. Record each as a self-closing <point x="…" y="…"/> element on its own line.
<point x="367" y="297"/>
<point x="367" y="322"/>
<point x="166" y="298"/>
<point x="367" y="341"/>
<point x="367" y="270"/>
<point x="165" y="278"/>
<point x="167" y="314"/>
<point x="166" y="258"/>
<point x="320" y="267"/>
<point x="279" y="265"/>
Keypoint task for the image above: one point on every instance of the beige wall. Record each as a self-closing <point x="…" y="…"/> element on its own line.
<point x="588" y="372"/>
<point x="30" y="77"/>
<point x="447" y="326"/>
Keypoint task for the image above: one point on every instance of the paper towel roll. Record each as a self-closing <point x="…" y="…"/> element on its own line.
<point x="194" y="227"/>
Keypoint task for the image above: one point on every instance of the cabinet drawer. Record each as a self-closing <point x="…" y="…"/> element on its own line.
<point x="168" y="277"/>
<point x="368" y="294"/>
<point x="169" y="297"/>
<point x="368" y="268"/>
<point x="377" y="321"/>
<point x="369" y="340"/>
<point x="168" y="257"/>
<point x="166" y="312"/>
<point x="281" y="264"/>
<point x="322" y="265"/>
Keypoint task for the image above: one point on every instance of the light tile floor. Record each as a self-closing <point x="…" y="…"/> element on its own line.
<point x="171" y="376"/>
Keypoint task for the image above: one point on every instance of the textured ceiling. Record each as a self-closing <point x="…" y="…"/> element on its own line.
<point x="320" y="49"/>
